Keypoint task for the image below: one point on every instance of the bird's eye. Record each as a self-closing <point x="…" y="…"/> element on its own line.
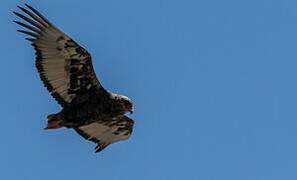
<point x="126" y="102"/>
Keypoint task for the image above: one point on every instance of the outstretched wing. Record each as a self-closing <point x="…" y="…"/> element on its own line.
<point x="64" y="67"/>
<point x="107" y="132"/>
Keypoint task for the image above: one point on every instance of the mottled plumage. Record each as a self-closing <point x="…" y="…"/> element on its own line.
<point x="67" y="72"/>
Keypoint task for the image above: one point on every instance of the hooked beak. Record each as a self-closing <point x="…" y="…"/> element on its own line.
<point x="131" y="109"/>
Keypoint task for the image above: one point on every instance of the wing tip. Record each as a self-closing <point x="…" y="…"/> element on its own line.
<point x="16" y="13"/>
<point x="28" y="5"/>
<point x="20" y="7"/>
<point x="28" y="33"/>
<point x="100" y="147"/>
<point x="30" y="39"/>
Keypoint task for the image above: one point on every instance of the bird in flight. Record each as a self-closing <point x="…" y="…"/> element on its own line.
<point x="66" y="70"/>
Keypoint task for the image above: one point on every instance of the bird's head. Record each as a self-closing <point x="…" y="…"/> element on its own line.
<point x="126" y="103"/>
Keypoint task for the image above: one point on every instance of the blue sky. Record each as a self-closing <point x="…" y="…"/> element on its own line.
<point x="213" y="82"/>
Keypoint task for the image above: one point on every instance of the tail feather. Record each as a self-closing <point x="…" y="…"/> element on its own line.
<point x="54" y="121"/>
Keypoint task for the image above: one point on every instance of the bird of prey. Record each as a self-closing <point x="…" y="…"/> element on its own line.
<point x="66" y="70"/>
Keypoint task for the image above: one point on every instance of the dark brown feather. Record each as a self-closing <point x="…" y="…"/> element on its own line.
<point x="27" y="26"/>
<point x="33" y="16"/>
<point x="28" y="33"/>
<point x="38" y="14"/>
<point x="29" y="20"/>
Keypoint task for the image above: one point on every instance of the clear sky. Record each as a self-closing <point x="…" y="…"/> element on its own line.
<point x="213" y="82"/>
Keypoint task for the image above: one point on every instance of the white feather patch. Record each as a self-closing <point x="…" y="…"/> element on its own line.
<point x="103" y="133"/>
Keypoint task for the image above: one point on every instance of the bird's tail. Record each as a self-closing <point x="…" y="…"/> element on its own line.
<point x="54" y="121"/>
